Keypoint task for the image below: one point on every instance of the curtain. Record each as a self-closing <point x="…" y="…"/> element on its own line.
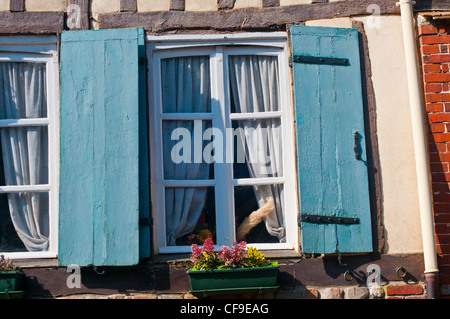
<point x="185" y="89"/>
<point x="25" y="150"/>
<point x="254" y="88"/>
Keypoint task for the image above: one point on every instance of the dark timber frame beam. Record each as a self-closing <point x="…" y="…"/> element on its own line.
<point x="240" y="19"/>
<point x="31" y="22"/>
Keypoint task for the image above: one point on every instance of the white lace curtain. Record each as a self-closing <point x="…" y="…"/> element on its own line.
<point x="24" y="150"/>
<point x="254" y="88"/>
<point x="185" y="89"/>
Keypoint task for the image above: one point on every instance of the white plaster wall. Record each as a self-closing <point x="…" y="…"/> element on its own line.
<point x="45" y="5"/>
<point x="4" y="5"/>
<point x="153" y="5"/>
<point x="401" y="216"/>
<point x="200" y="5"/>
<point x="104" y="6"/>
<point x="294" y="2"/>
<point x="247" y="3"/>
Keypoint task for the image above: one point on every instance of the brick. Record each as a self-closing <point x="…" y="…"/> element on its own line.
<point x="427" y="29"/>
<point x="442" y="208"/>
<point x="444" y="67"/>
<point x="441" y="187"/>
<point x="440" y="177"/>
<point x="430" y="49"/>
<point x="443" y="249"/>
<point x="332" y="293"/>
<point x="433" y="88"/>
<point x="436" y="148"/>
<point x="441" y="197"/>
<point x="434" y="39"/>
<point x="436" y="58"/>
<point x="437" y="77"/>
<point x="396" y="290"/>
<point x="443" y="229"/>
<point x="416" y="297"/>
<point x="443" y="259"/>
<point x="441" y="137"/>
<point x="443" y="49"/>
<point x="311" y="293"/>
<point x="431" y="68"/>
<point x="445" y="87"/>
<point x="437" y="97"/>
<point x="438" y="117"/>
<point x="437" y="127"/>
<point x="435" y="107"/>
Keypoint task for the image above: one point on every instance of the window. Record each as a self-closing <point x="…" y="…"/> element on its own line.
<point x="28" y="145"/>
<point x="221" y="141"/>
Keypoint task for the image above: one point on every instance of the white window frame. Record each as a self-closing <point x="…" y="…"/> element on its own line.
<point x="39" y="49"/>
<point x="218" y="46"/>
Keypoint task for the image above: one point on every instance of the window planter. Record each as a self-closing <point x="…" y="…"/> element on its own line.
<point x="232" y="281"/>
<point x="11" y="284"/>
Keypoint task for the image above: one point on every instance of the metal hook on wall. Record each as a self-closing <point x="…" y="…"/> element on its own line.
<point x="401" y="272"/>
<point x="96" y="269"/>
<point x="348" y="275"/>
<point x="340" y="260"/>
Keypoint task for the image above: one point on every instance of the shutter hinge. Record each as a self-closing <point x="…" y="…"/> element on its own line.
<point x="320" y="219"/>
<point x="317" y="60"/>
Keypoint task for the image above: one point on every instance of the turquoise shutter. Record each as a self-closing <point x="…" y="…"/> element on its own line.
<point x="330" y="132"/>
<point x="99" y="147"/>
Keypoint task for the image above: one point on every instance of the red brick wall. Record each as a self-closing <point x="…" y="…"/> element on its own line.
<point x="434" y="41"/>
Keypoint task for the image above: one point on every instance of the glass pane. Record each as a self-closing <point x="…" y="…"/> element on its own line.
<point x="23" y="156"/>
<point x="24" y="222"/>
<point x="185" y="85"/>
<point x="22" y="90"/>
<point x="190" y="215"/>
<point x="254" y="83"/>
<point x="265" y="205"/>
<point x="257" y="148"/>
<point x="187" y="150"/>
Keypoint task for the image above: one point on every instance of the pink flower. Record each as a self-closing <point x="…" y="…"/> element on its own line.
<point x="235" y="255"/>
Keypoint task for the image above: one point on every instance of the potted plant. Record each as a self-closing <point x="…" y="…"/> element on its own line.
<point x="231" y="270"/>
<point x="11" y="279"/>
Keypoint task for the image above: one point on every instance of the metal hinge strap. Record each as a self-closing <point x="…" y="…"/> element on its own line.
<point x="321" y="219"/>
<point x="318" y="60"/>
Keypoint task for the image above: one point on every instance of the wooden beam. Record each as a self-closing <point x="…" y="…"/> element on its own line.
<point x="177" y="5"/>
<point x="270" y="3"/>
<point x="370" y="124"/>
<point x="17" y="5"/>
<point x="226" y="4"/>
<point x="426" y="5"/>
<point x="240" y="19"/>
<point x="128" y="5"/>
<point x="79" y="11"/>
<point x="31" y="22"/>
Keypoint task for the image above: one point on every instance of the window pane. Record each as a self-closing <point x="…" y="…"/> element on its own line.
<point x="190" y="215"/>
<point x="265" y="205"/>
<point x="24" y="222"/>
<point x="187" y="150"/>
<point x="185" y="85"/>
<point x="257" y="148"/>
<point x="254" y="83"/>
<point x="24" y="156"/>
<point x="22" y="90"/>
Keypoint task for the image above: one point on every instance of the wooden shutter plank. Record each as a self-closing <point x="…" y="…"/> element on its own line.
<point x="329" y="109"/>
<point x="99" y="180"/>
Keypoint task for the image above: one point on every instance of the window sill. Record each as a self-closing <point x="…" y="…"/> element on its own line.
<point x="183" y="258"/>
<point x="36" y="262"/>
